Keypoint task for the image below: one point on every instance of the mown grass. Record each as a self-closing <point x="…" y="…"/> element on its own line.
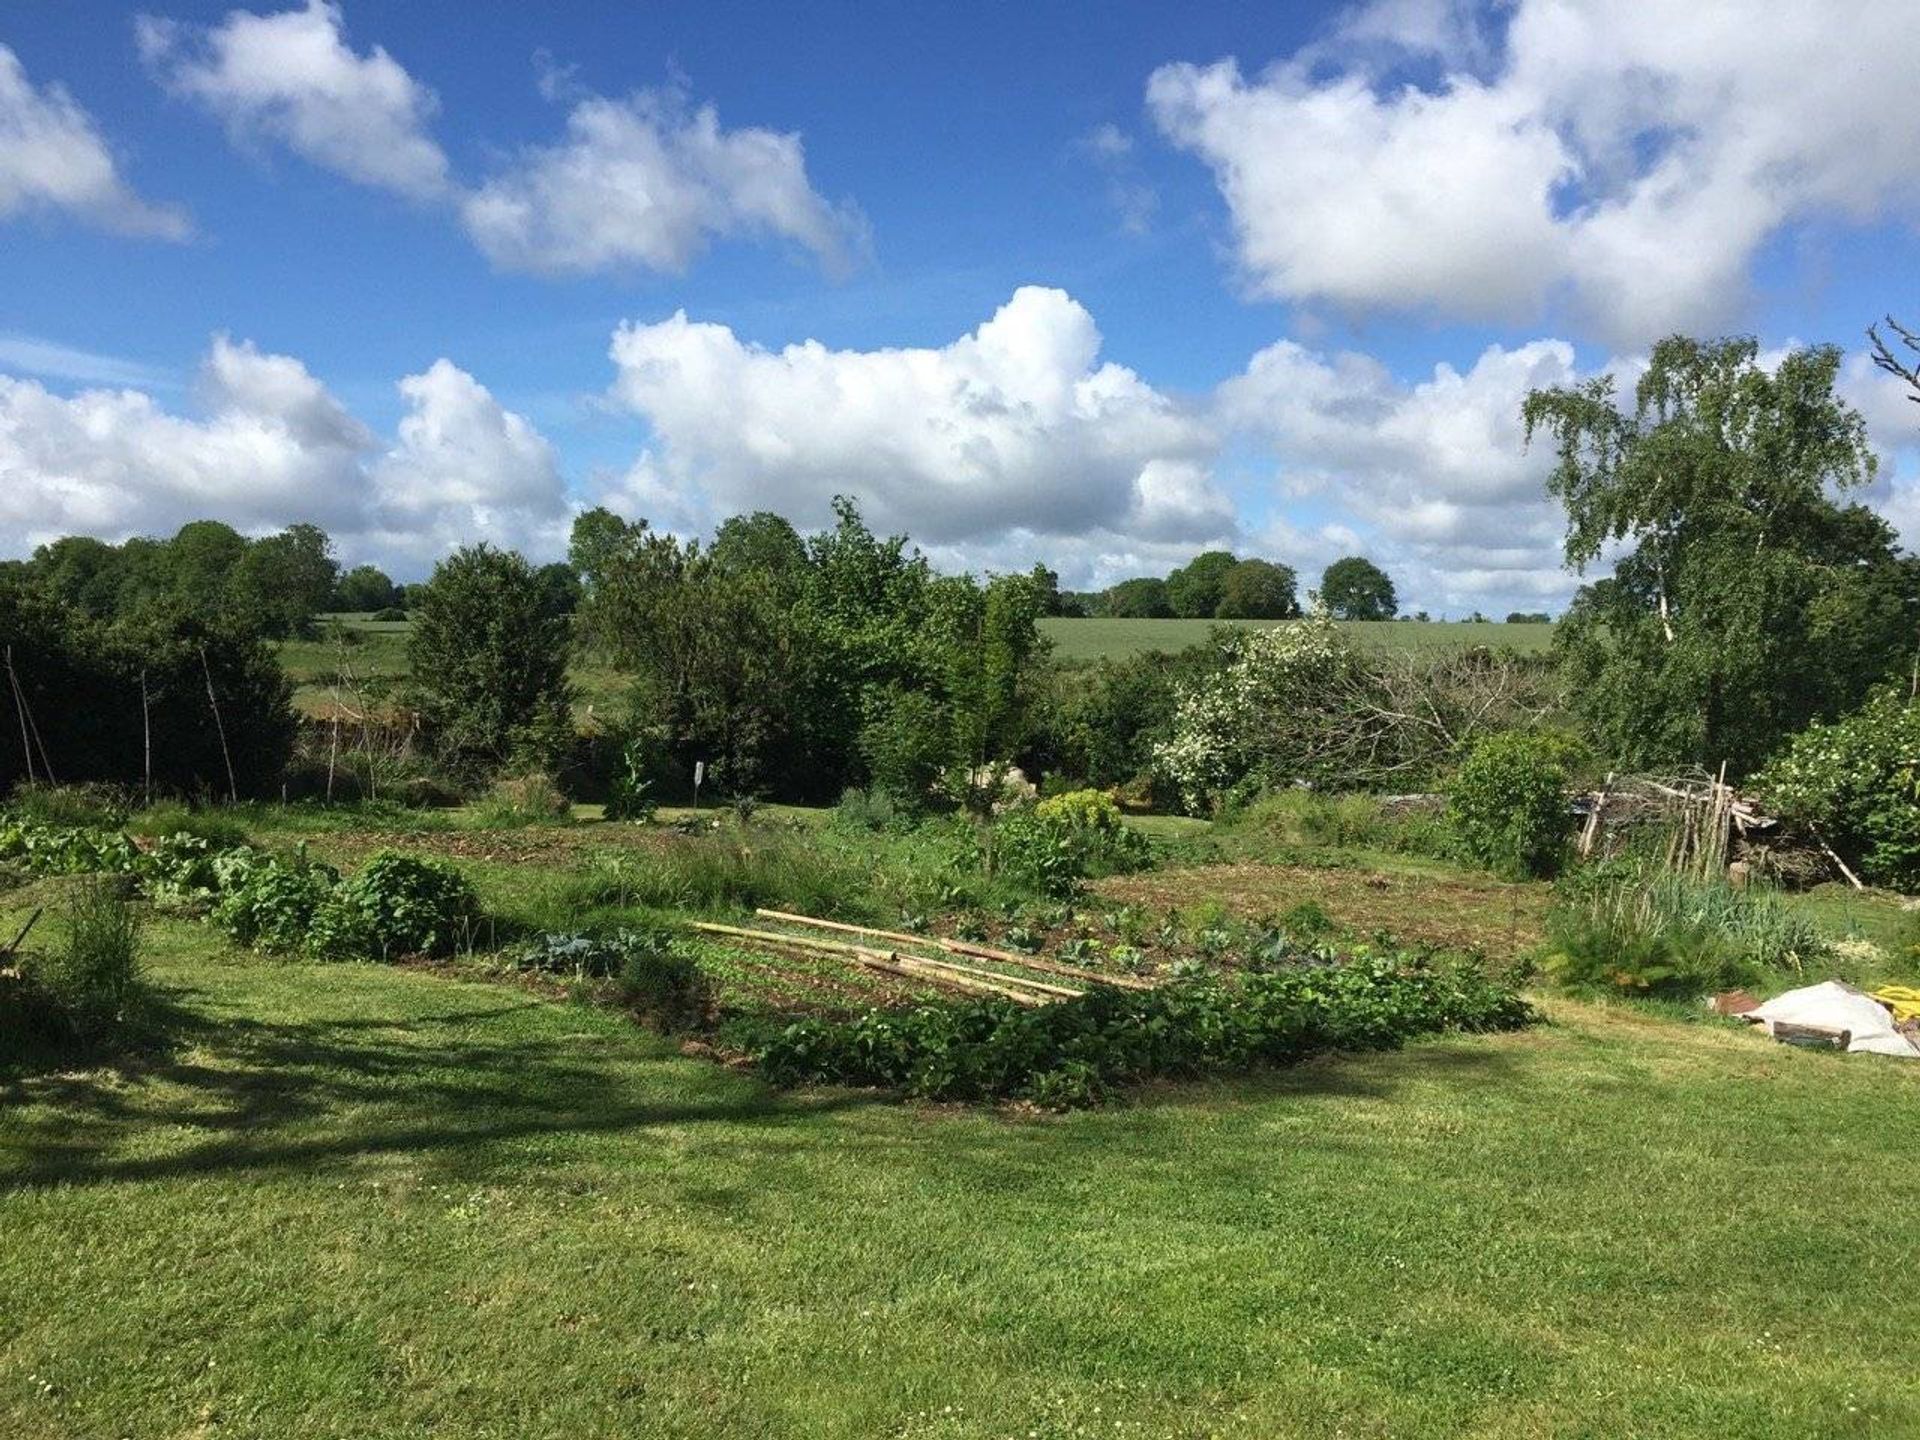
<point x="362" y="1201"/>
<point x="1084" y="640"/>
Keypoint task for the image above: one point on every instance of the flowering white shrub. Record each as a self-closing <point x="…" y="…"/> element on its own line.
<point x="1256" y="717"/>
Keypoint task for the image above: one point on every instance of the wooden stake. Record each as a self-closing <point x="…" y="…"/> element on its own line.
<point x="146" y="736"/>
<point x="1834" y="856"/>
<point x="233" y="788"/>
<point x="20" y="710"/>
<point x="20" y="939"/>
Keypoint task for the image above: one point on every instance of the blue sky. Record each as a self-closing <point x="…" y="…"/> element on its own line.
<point x="1286" y="271"/>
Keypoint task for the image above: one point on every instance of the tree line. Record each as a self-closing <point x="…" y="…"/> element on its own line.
<point x="1218" y="585"/>
<point x="1749" y="597"/>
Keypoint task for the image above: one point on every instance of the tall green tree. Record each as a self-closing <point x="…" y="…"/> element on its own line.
<point x="489" y="658"/>
<point x="1355" y="588"/>
<point x="1144" y="598"/>
<point x="1258" y="590"/>
<point x="1745" y="601"/>
<point x="282" y="581"/>
<point x="1196" y="588"/>
<point x="364" y="588"/>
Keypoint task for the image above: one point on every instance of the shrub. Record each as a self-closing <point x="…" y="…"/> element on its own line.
<point x="532" y="799"/>
<point x="397" y="905"/>
<point x="1066" y="839"/>
<point x="91" y="978"/>
<point x="1077" y="1052"/>
<point x="270" y="902"/>
<point x="1507" y="804"/>
<point x="1857" y="781"/>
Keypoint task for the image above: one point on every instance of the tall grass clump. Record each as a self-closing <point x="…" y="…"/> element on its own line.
<point x="88" y="984"/>
<point x="1301" y="820"/>
<point x="736" y="869"/>
<point x="1634" y="927"/>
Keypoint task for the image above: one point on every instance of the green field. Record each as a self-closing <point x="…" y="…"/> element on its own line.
<point x="377" y="650"/>
<point x="1081" y="640"/>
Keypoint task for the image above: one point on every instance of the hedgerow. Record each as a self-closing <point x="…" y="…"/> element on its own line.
<point x="1078" y="1052"/>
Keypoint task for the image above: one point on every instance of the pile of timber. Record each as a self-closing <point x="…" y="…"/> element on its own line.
<point x="1016" y="981"/>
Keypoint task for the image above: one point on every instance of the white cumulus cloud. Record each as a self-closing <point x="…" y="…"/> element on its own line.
<point x="649" y="182"/>
<point x="1432" y="478"/>
<point x="1632" y="157"/>
<point x="1016" y="427"/>
<point x="644" y="182"/>
<point x="52" y="158"/>
<point x="292" y="78"/>
<point x="269" y="446"/>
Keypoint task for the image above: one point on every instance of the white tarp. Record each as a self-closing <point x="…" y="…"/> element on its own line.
<point x="1833" y="1006"/>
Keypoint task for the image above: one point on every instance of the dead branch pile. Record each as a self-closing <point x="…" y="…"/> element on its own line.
<point x="1706" y="823"/>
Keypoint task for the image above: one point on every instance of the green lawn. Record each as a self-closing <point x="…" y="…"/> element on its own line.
<point x="362" y="1201"/>
<point x="1114" y="639"/>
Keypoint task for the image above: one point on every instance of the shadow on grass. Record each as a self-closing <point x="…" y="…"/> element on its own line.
<point x="264" y="1097"/>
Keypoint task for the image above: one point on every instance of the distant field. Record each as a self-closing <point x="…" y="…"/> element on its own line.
<point x="1112" y="639"/>
<point x="378" y="648"/>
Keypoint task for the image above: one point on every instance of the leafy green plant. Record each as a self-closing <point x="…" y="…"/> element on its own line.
<point x="44" y="849"/>
<point x="1065" y="839"/>
<point x="1077" y="1052"/>
<point x="270" y="901"/>
<point x="630" y="795"/>
<point x="397" y="904"/>
<point x="598" y="956"/>
<point x="1507" y="803"/>
<point x="1857" y="782"/>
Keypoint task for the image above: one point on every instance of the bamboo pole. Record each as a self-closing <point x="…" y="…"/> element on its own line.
<point x="1051" y="967"/>
<point x="1059" y="992"/>
<point x="840" y="925"/>
<point x="958" y="977"/>
<point x="961" y="947"/>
